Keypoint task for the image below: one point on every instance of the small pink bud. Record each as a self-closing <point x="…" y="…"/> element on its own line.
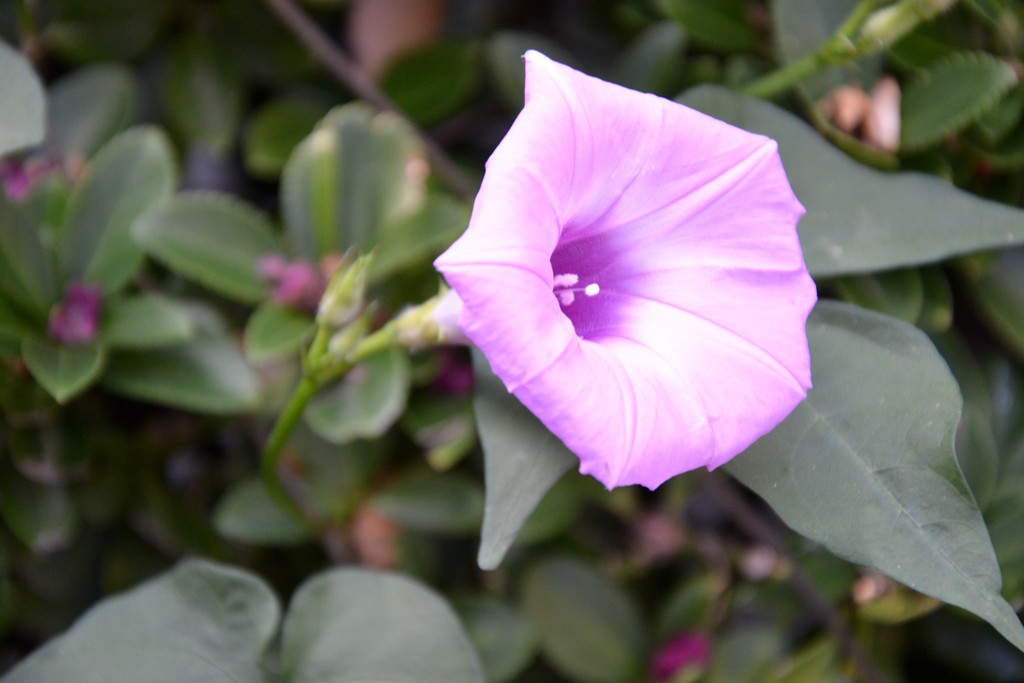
<point x="687" y="650"/>
<point x="294" y="284"/>
<point x="75" y="320"/>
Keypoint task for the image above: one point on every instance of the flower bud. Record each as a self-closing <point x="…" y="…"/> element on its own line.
<point x="75" y="320"/>
<point x="346" y="291"/>
<point x="433" y="322"/>
<point x="886" y="26"/>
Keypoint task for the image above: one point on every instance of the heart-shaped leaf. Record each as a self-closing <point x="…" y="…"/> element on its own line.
<point x="64" y="371"/>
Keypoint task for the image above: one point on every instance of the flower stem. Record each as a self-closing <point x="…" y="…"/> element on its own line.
<point x="286" y="421"/>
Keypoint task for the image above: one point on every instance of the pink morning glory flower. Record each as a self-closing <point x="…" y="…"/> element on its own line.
<point x="632" y="273"/>
<point x="76" y="319"/>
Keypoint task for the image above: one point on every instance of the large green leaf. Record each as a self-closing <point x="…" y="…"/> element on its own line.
<point x="213" y="240"/>
<point x="859" y="219"/>
<point x="132" y="174"/>
<point x="366" y="403"/>
<point x="355" y="173"/>
<point x="418" y="237"/>
<point x="503" y="638"/>
<point x="431" y="82"/>
<point x="145" y="321"/>
<point x="64" y="371"/>
<point x="952" y="93"/>
<point x="88" y="107"/>
<point x="589" y="629"/>
<point x="198" y="622"/>
<point x="274" y="331"/>
<point x="651" y="62"/>
<point x="866" y="465"/>
<point x="444" y="503"/>
<point x="26" y="276"/>
<point x="207" y="374"/>
<point x="22" y="107"/>
<point x="203" y="94"/>
<point x="355" y="626"/>
<point x="522" y="460"/>
<point x="274" y="130"/>
<point x="42" y="516"/>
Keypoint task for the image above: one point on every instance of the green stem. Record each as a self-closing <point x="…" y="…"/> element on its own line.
<point x="272" y="452"/>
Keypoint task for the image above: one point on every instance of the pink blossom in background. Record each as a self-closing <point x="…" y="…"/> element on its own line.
<point x="690" y="650"/>
<point x="293" y="284"/>
<point x="632" y="273"/>
<point x="76" y="319"/>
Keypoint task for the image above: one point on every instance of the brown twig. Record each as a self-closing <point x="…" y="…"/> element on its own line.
<point x="752" y="523"/>
<point x="349" y="74"/>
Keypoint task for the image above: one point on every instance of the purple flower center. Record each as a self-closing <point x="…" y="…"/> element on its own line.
<point x="75" y="320"/>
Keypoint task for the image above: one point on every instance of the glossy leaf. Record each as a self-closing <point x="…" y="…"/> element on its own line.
<point x="199" y="622"/>
<point x="866" y="465"/>
<point x="899" y="293"/>
<point x="522" y="460"/>
<point x="355" y="626"/>
<point x="366" y="403"/>
<point x="274" y="331"/>
<point x="955" y="91"/>
<point x="441" y="503"/>
<point x="145" y="321"/>
<point x="504" y="640"/>
<point x="433" y="81"/>
<point x="213" y="240"/>
<point x="858" y="219"/>
<point x="274" y="131"/>
<point x="589" y="629"/>
<point x="26" y="274"/>
<point x="22" y="110"/>
<point x="248" y="514"/>
<point x="207" y="375"/>
<point x="64" y="371"/>
<point x="356" y="172"/>
<point x="131" y="175"/>
<point x="203" y="95"/>
<point x="88" y="107"/>
<point x="717" y="24"/>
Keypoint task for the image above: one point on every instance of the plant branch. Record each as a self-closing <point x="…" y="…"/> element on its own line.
<point x="751" y="522"/>
<point x="349" y="74"/>
<point x="274" y="448"/>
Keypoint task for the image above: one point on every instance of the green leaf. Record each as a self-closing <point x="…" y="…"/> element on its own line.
<point x="248" y="514"/>
<point x="899" y="293"/>
<point x="199" y="622"/>
<point x="997" y="292"/>
<point x="88" y="107"/>
<point x="356" y="626"/>
<point x="212" y="239"/>
<point x="999" y="121"/>
<point x="22" y="110"/>
<point x="858" y="219"/>
<point x="866" y="466"/>
<point x="802" y="26"/>
<point x="952" y="93"/>
<point x="133" y="174"/>
<point x="274" y="131"/>
<point x="13" y="326"/>
<point x="203" y="95"/>
<point x="522" y="460"/>
<point x="442" y="503"/>
<point x="26" y="276"/>
<point x="589" y="628"/>
<point x="366" y="403"/>
<point x="42" y="516"/>
<point x="358" y="171"/>
<point x="208" y="375"/>
<point x="274" y="331"/>
<point x="63" y="371"/>
<point x="419" y="237"/>
<point x="431" y="82"/>
<point x="145" y="321"/>
<point x="652" y="61"/>
<point x="503" y="638"/>
<point x="717" y="24"/>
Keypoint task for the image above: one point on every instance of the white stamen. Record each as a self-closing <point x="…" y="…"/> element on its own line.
<point x="565" y="280"/>
<point x="592" y="289"/>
